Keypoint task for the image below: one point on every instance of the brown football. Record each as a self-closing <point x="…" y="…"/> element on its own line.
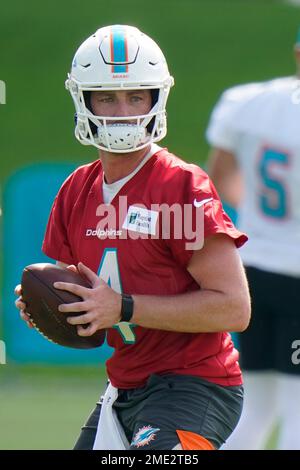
<point x="42" y="301"/>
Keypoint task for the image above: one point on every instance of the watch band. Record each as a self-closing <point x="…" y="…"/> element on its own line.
<point x="127" y="308"/>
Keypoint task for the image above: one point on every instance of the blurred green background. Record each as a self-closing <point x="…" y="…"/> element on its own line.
<point x="209" y="45"/>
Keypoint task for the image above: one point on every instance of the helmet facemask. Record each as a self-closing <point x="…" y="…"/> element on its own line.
<point x="116" y="134"/>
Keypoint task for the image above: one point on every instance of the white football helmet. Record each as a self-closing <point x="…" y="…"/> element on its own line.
<point x="119" y="58"/>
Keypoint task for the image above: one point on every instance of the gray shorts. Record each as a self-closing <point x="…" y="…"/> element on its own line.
<point x="151" y="415"/>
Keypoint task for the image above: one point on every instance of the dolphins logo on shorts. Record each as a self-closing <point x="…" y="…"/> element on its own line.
<point x="144" y="436"/>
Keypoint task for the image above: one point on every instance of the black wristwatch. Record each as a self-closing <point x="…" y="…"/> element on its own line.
<point x="127" y="308"/>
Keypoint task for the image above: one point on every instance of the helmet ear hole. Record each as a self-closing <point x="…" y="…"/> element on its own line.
<point x="154" y="97"/>
<point x="87" y="101"/>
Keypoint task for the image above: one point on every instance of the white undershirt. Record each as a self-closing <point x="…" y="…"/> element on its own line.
<point x="110" y="190"/>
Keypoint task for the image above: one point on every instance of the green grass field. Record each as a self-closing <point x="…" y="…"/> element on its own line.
<point x="209" y="44"/>
<point x="44" y="407"/>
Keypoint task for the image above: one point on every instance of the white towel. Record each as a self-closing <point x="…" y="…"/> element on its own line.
<point x="110" y="434"/>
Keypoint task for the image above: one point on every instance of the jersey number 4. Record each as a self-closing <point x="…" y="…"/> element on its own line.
<point x="273" y="194"/>
<point x="110" y="273"/>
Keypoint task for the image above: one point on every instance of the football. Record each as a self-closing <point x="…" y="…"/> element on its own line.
<point x="42" y="301"/>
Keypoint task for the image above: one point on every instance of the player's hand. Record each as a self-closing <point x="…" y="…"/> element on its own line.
<point x="20" y="304"/>
<point x="100" y="305"/>
<point x="73" y="268"/>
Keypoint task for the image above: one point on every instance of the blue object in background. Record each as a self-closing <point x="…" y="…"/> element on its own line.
<point x="230" y="211"/>
<point x="27" y="201"/>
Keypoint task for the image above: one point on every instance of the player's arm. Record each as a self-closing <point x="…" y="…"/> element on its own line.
<point x="224" y="172"/>
<point x="222" y="304"/>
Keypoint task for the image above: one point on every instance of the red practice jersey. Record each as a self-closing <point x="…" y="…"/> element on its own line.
<point x="137" y="250"/>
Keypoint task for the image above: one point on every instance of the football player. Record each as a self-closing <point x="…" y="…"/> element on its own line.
<point x="167" y="289"/>
<point x="255" y="165"/>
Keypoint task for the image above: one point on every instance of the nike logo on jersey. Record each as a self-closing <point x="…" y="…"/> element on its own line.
<point x="201" y="203"/>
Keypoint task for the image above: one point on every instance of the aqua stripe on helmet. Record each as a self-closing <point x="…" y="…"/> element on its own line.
<point x="119" y="48"/>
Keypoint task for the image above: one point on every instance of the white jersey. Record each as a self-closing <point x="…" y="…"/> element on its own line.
<point x="260" y="124"/>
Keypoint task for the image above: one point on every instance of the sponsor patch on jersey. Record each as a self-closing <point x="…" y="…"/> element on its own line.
<point x="140" y="219"/>
<point x="144" y="436"/>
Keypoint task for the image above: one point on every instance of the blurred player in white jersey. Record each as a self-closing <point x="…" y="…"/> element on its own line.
<point x="254" y="132"/>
